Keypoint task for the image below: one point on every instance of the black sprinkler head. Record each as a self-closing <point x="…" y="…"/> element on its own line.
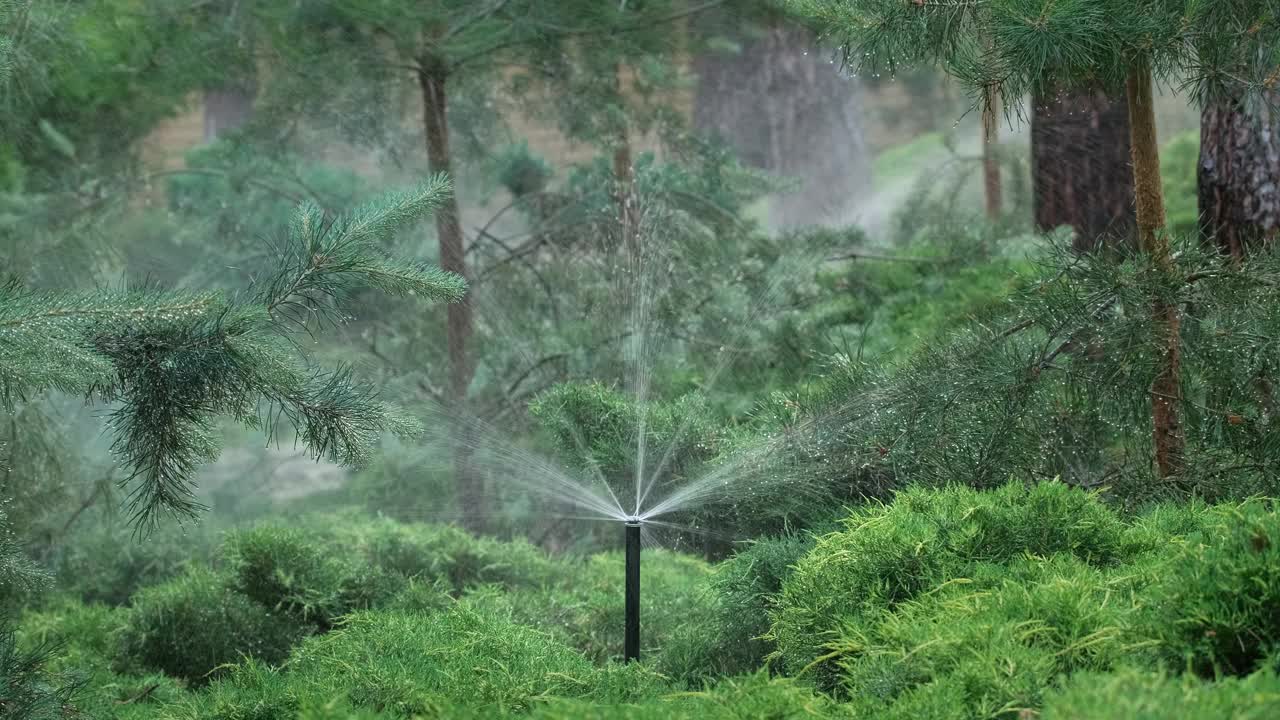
<point x="631" y="649"/>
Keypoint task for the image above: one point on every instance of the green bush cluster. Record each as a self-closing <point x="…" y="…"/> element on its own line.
<point x="285" y="569"/>
<point x="1137" y="695"/>
<point x="194" y="625"/>
<point x="956" y="603"/>
<point x="945" y="604"/>
<point x="1216" y="607"/>
<point x="411" y="663"/>
<point x="86" y="639"/>
<point x="742" y="593"/>
<point x="891" y="554"/>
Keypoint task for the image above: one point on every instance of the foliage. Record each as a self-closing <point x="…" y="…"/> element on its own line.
<point x="285" y="571"/>
<point x="745" y="588"/>
<point x="1213" y="608"/>
<point x="1179" y="161"/>
<point x="1014" y="48"/>
<point x="28" y="689"/>
<point x="87" y="639"/>
<point x="193" y="626"/>
<point x="100" y="563"/>
<point x="584" y="607"/>
<point x="892" y="554"/>
<point x="325" y="566"/>
<point x="170" y="362"/>
<point x="1137" y="695"/>
<point x="418" y="663"/>
<point x="994" y="642"/>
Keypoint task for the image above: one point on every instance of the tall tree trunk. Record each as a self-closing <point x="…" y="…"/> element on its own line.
<point x="783" y="107"/>
<point x="469" y="482"/>
<point x="1238" y="177"/>
<point x="624" y="179"/>
<point x="1081" y="165"/>
<point x="991" y="155"/>
<point x="1166" y="395"/>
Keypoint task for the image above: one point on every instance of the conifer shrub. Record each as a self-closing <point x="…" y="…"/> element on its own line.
<point x="1149" y="695"/>
<point x="1216" y="608"/>
<point x="743" y="589"/>
<point x="890" y="554"/>
<point x="292" y="571"/>
<point x="993" y="644"/>
<point x="421" y="596"/>
<point x="84" y="640"/>
<point x="192" y="626"/>
<point x="1154" y="530"/>
<point x="408" y="663"/>
<point x="738" y="698"/>
<point x="734" y="698"/>
<point x="429" y="552"/>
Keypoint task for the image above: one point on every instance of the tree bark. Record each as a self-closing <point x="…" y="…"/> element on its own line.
<point x="469" y="482"/>
<point x="1238" y="177"/>
<point x="991" y="155"/>
<point x="1166" y="395"/>
<point x="1081" y="165"/>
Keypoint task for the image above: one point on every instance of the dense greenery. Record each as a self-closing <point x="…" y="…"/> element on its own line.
<point x="942" y="604"/>
<point x="273" y="446"/>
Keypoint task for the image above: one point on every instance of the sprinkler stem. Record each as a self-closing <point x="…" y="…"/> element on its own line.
<point x="632" y="642"/>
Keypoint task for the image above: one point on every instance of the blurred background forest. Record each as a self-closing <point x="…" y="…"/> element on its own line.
<point x="319" y="317"/>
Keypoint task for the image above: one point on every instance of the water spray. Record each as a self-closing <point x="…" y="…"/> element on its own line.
<point x="631" y="650"/>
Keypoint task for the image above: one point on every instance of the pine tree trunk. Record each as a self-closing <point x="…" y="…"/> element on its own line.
<point x="991" y="156"/>
<point x="469" y="482"/>
<point x="1238" y="177"/>
<point x="1166" y="396"/>
<point x="624" y="183"/>
<point x="1081" y="165"/>
<point x="784" y="107"/>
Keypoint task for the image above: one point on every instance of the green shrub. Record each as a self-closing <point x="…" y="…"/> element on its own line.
<point x="194" y="624"/>
<point x="105" y="564"/>
<point x="1154" y="530"/>
<point x="406" y="663"/>
<point x="744" y="589"/>
<point x="1216" y="608"/>
<point x="892" y="553"/>
<point x="753" y="696"/>
<point x="86" y="639"/>
<point x="1137" y="695"/>
<point x="586" y="609"/>
<point x="421" y="596"/>
<point x="993" y="648"/>
<point x="430" y="552"/>
<point x="292" y="571"/>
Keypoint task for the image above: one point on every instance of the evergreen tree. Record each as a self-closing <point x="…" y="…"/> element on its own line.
<point x="169" y="363"/>
<point x="1020" y="47"/>
<point x="350" y="61"/>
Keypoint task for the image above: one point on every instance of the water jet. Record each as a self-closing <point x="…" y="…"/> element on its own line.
<point x="631" y="649"/>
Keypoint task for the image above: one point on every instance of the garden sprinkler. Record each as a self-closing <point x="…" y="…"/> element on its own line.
<point x="631" y="650"/>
